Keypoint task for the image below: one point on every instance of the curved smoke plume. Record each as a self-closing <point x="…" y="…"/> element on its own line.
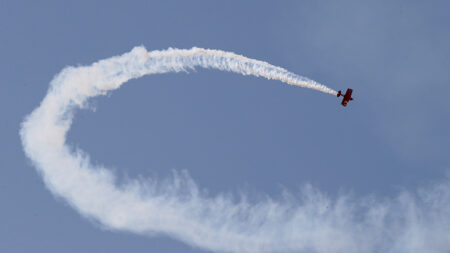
<point x="312" y="222"/>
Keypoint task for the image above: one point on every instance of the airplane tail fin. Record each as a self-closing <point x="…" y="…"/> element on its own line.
<point x="339" y="94"/>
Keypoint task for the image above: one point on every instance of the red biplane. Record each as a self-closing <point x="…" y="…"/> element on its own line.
<point x="347" y="96"/>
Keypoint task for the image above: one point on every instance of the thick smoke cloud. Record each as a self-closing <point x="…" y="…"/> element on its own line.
<point x="308" y="221"/>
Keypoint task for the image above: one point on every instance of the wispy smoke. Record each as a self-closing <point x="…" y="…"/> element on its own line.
<point x="305" y="222"/>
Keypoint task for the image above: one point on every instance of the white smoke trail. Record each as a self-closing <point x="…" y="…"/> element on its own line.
<point x="312" y="223"/>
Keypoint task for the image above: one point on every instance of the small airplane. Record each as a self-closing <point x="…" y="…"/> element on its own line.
<point x="347" y="96"/>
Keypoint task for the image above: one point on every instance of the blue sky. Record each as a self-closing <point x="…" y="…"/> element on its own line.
<point x="232" y="133"/>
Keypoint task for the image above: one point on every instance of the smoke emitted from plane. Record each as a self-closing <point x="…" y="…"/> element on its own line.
<point x="306" y="222"/>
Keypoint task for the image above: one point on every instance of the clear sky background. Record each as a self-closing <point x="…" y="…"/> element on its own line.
<point x="232" y="133"/>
